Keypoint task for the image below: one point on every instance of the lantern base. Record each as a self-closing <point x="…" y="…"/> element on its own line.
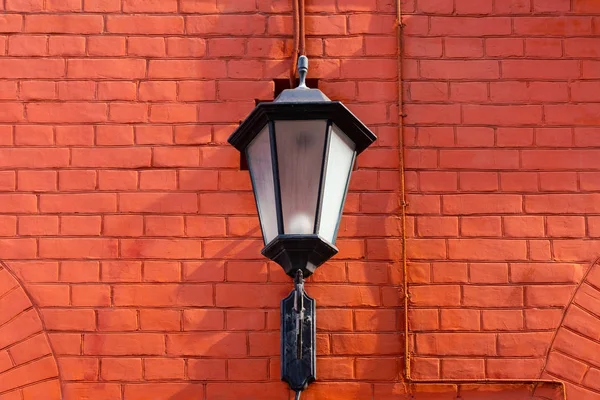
<point x="299" y="252"/>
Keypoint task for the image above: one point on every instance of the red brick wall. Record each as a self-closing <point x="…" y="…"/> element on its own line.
<point x="127" y="219"/>
<point x="129" y="235"/>
<point x="502" y="173"/>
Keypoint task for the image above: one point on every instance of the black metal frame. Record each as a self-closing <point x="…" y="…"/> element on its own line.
<point x="299" y="252"/>
<point x="322" y="177"/>
<point x="327" y="110"/>
<point x="276" y="180"/>
<point x="298" y="337"/>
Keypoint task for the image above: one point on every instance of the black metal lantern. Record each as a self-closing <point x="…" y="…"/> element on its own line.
<point x="300" y="150"/>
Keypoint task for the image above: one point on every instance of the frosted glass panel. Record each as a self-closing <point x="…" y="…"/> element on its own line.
<point x="300" y="147"/>
<point x="258" y="154"/>
<point x="339" y="166"/>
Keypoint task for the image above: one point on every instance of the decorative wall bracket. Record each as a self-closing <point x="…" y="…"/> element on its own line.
<point x="298" y="337"/>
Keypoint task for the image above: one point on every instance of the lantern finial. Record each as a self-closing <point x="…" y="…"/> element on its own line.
<point x="302" y="71"/>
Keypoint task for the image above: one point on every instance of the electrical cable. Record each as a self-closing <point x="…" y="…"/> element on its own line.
<point x="299" y="33"/>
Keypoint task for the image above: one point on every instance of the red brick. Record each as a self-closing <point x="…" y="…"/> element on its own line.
<point x="465" y="204"/>
<point x="553" y="26"/>
<point x="207" y="369"/>
<point x="75" y="135"/>
<point x="468" y="7"/>
<point x="90" y="295"/>
<point x="146" y="46"/>
<point x="247" y="369"/>
<point x="461" y="320"/>
<point x="38" y="90"/>
<point x="23" y="325"/>
<point x="455" y="368"/>
<point x="527" y="92"/>
<point x="472" y="344"/>
<point x="435" y="7"/>
<point x="215" y="344"/>
<point x="581" y="321"/>
<point x="201" y="272"/>
<point x="547" y="296"/>
<point x="370" y="23"/>
<point x="504" y="47"/>
<point x="117" y="320"/>
<point x="449" y="272"/>
<point x="158" y="202"/>
<point x="61" y="5"/>
<point x="164" y="368"/>
<point x="144" y="24"/>
<point x="108" y="391"/>
<point x="185" y="47"/>
<point x="68" y="320"/>
<point x="79" y="271"/>
<point x="163" y="295"/>
<point x="504" y="368"/>
<point x="116" y="91"/>
<point x="463" y="47"/>
<point x="470" y="26"/>
<point x="160" y="320"/>
<point x="119" y="369"/>
<point x="102" y="5"/>
<point x="123" y="225"/>
<point x="67" y="45"/>
<point x="226" y="24"/>
<point x="481" y="226"/>
<point x="543" y="47"/>
<point x="106" y="45"/>
<point x="441" y="296"/>
<point x="80" y="225"/>
<point x="123" y="344"/>
<point x="366" y="343"/>
<point x="377" y="368"/>
<point x="158" y="91"/>
<point x="66" y="112"/>
<point x="423" y="319"/>
<point x="487" y="249"/>
<point x="502" y="320"/>
<point x="25" y="5"/>
<point x="27" y="45"/>
<point x="79" y="24"/>
<point x="523" y="344"/>
<point x="566" y="367"/>
<point x="85" y="202"/>
<point x="542" y="319"/>
<point x="423" y="114"/>
<point x="149" y="6"/>
<point x="78" y="368"/>
<point x="38" y="370"/>
<point x="78" y="248"/>
<point x="38" y="68"/>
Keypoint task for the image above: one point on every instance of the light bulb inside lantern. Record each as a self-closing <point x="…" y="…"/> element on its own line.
<point x="300" y="223"/>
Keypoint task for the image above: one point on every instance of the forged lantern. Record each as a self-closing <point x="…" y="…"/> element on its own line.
<point x="300" y="150"/>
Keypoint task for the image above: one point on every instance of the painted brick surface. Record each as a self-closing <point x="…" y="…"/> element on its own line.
<point x="130" y="224"/>
<point x="500" y="133"/>
<point x="130" y="238"/>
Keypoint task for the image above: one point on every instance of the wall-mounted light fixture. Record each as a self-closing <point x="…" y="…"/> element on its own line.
<point x="300" y="150"/>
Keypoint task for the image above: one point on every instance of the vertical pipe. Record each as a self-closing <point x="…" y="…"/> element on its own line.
<point x="402" y="200"/>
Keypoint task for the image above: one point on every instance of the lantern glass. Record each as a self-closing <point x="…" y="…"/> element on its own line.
<point x="300" y="152"/>
<point x="339" y="163"/>
<point x="260" y="163"/>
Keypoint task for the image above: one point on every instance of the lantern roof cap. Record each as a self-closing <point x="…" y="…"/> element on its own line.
<point x="302" y="103"/>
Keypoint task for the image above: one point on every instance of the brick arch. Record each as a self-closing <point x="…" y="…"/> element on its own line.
<point x="574" y="354"/>
<point x="28" y="368"/>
